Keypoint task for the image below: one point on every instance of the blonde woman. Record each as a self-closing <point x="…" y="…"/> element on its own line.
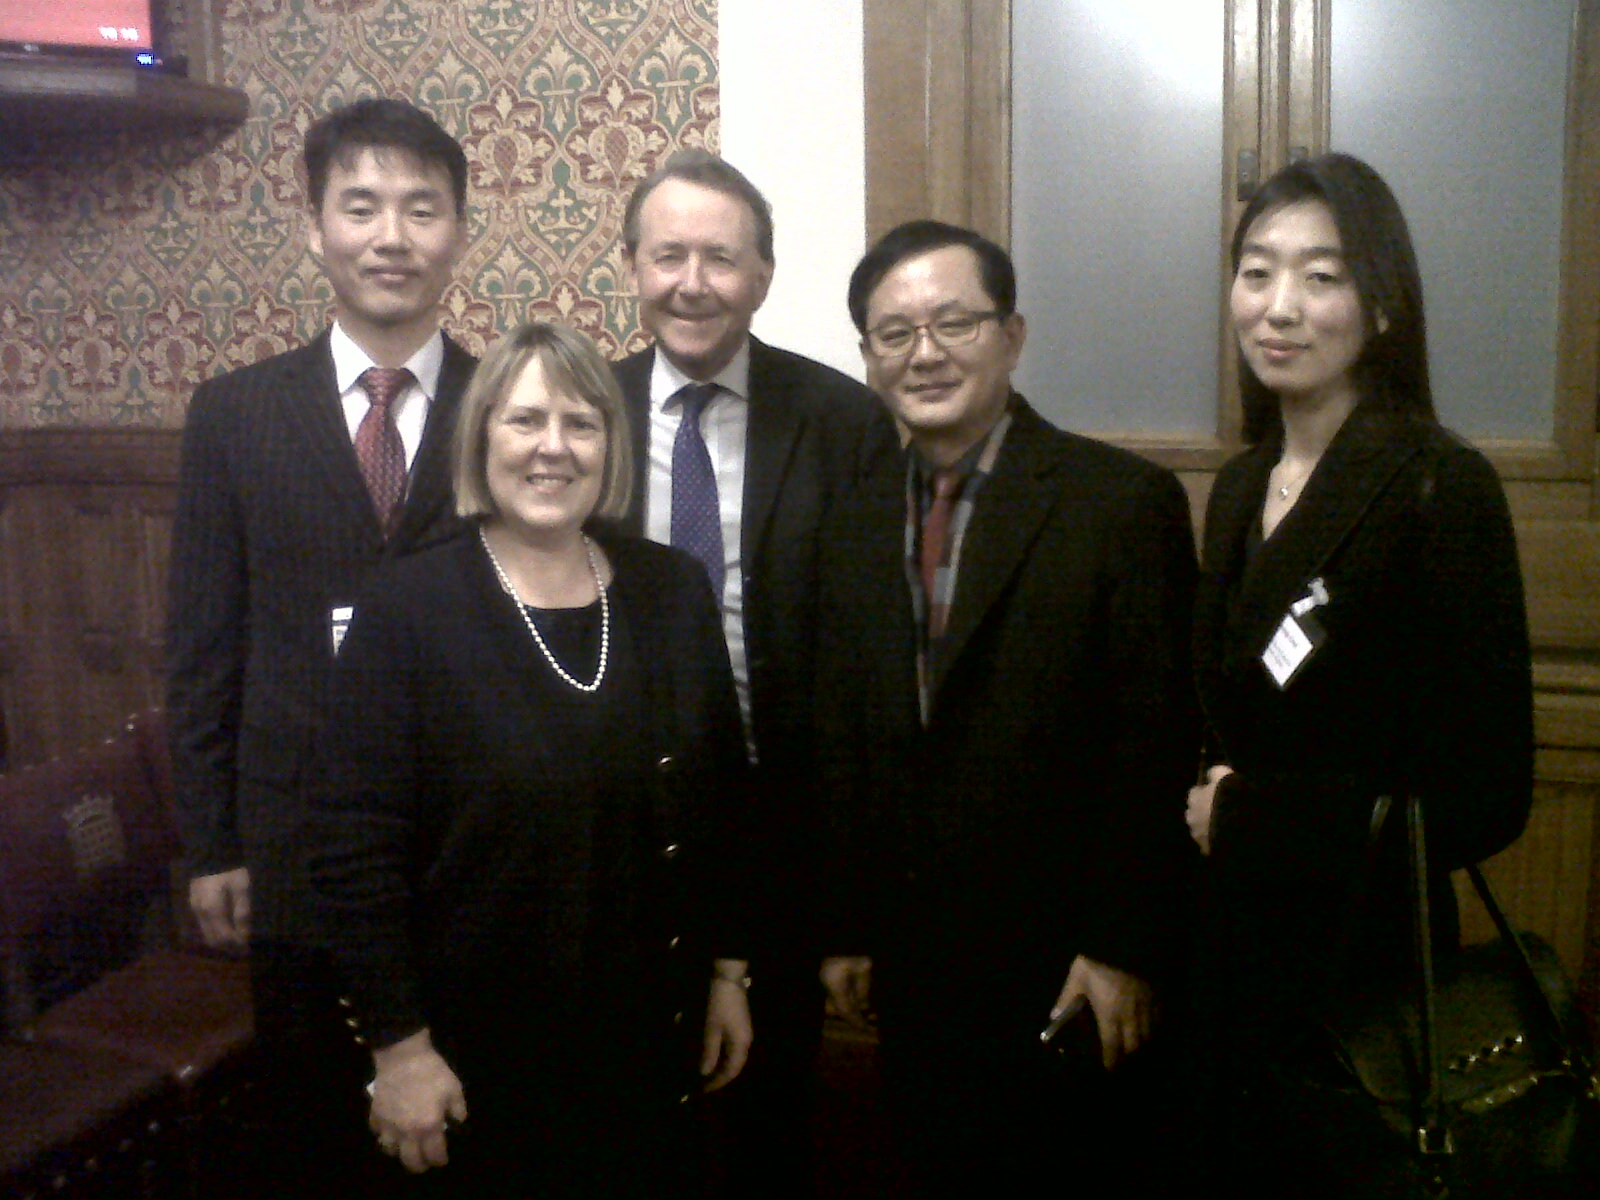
<point x="525" y="867"/>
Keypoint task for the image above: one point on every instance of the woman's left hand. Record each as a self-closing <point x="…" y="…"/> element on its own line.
<point x="414" y="1098"/>
<point x="1201" y="800"/>
<point x="728" y="1031"/>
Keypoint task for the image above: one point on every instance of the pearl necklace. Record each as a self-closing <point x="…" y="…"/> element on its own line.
<point x="605" y="616"/>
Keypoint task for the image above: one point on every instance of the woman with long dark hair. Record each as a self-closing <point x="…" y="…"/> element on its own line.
<point x="1359" y="633"/>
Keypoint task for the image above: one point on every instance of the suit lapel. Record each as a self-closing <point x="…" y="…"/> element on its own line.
<point x="872" y="575"/>
<point x="430" y="485"/>
<point x="774" y="427"/>
<point x="1010" y="508"/>
<point x="1234" y="504"/>
<point x="773" y="431"/>
<point x="1359" y="464"/>
<point x="311" y="397"/>
<point x="633" y="378"/>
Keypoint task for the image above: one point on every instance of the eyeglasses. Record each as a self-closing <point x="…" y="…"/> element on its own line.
<point x="899" y="338"/>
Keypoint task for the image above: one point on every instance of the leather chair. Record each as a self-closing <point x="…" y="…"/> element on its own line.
<point x="84" y="841"/>
<point x="76" y="1124"/>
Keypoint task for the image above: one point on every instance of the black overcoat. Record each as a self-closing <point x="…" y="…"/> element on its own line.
<point x="1039" y="814"/>
<point x="1421" y="687"/>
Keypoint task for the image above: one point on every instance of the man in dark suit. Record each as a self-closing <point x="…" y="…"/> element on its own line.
<point x="1007" y="733"/>
<point x="299" y="475"/>
<point x="770" y="440"/>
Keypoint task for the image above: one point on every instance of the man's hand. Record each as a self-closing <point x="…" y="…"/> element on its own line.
<point x="1201" y="801"/>
<point x="221" y="904"/>
<point x="728" y="1033"/>
<point x="414" y="1095"/>
<point x="848" y="980"/>
<point x="1123" y="1004"/>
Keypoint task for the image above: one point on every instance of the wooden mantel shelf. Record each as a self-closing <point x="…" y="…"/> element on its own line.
<point x="59" y="97"/>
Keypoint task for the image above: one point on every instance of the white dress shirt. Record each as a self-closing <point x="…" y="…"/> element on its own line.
<point x="724" y="425"/>
<point x="410" y="406"/>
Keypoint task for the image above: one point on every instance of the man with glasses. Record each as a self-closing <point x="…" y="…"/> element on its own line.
<point x="1007" y="733"/>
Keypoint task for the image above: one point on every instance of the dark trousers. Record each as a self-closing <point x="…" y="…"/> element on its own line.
<point x="556" y="1117"/>
<point x="1001" y="1128"/>
<point x="304" y="1124"/>
<point x="981" y="1107"/>
<point x="764" y="1120"/>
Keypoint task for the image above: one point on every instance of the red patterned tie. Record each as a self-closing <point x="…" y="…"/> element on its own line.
<point x="379" y="450"/>
<point x="935" y="528"/>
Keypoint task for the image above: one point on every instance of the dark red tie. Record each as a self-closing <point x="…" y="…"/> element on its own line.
<point x="936" y="527"/>
<point x="379" y="450"/>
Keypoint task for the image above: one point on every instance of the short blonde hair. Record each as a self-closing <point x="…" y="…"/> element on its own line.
<point x="571" y="364"/>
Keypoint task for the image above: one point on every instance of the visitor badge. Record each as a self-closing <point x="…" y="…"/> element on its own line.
<point x="339" y="625"/>
<point x="1297" y="637"/>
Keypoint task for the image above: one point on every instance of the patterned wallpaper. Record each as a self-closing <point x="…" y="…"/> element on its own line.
<point x="133" y="267"/>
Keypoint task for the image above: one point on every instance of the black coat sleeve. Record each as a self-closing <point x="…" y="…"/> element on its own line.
<point x="368" y="804"/>
<point x="207" y="629"/>
<point x="853" y="856"/>
<point x="1473" y="757"/>
<point x="1133" y="891"/>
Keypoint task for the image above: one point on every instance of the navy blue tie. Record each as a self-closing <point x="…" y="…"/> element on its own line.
<point x="696" y="516"/>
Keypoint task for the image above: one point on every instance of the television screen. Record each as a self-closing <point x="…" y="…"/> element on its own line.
<point x="117" y="28"/>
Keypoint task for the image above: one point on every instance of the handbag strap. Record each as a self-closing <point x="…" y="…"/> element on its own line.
<point x="1433" y="1134"/>
<point x="1555" y="1028"/>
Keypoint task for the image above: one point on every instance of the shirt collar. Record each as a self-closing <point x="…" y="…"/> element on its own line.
<point x="922" y="471"/>
<point x="666" y="380"/>
<point x="350" y="360"/>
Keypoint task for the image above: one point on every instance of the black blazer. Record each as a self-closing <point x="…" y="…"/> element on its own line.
<point x="808" y="425"/>
<point x="445" y="786"/>
<point x="273" y="530"/>
<point x="1422" y="686"/>
<point x="1039" y="814"/>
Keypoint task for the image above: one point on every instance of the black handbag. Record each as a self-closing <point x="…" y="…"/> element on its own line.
<point x="1473" y="1079"/>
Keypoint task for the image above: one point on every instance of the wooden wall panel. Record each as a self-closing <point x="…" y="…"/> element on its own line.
<point x="1543" y="881"/>
<point x="1561" y="563"/>
<point x="85" y="523"/>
